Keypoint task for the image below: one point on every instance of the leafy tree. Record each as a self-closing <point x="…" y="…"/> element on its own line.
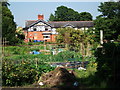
<point x="75" y="40"/>
<point x="85" y="16"/>
<point x="5" y="3"/>
<point x="110" y="9"/>
<point x="108" y="63"/>
<point x="8" y="24"/>
<point x="108" y="55"/>
<point x="0" y="17"/>
<point x="52" y="17"/>
<point x="109" y="20"/>
<point x="20" y="33"/>
<point x="67" y="14"/>
<point x="63" y="13"/>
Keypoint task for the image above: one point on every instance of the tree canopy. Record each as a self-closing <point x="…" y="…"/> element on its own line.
<point x="64" y="13"/>
<point x="8" y="24"/>
<point x="108" y="56"/>
<point x="52" y="17"/>
<point x="85" y="16"/>
<point x="109" y="20"/>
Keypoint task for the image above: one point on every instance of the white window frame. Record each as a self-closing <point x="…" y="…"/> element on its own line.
<point x="46" y="35"/>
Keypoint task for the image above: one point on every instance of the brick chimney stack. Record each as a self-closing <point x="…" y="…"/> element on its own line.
<point x="40" y="17"/>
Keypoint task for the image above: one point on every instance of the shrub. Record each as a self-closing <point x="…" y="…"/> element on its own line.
<point x="18" y="73"/>
<point x="108" y="63"/>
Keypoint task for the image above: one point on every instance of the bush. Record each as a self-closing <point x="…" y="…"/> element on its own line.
<point x="24" y="72"/>
<point x="68" y="56"/>
<point x="108" y="63"/>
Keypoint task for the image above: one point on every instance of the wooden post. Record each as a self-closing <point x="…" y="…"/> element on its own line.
<point x="101" y="36"/>
<point x="3" y="46"/>
<point x="4" y="43"/>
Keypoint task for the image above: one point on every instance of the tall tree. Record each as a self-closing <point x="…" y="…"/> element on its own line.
<point x="52" y="17"/>
<point x="108" y="56"/>
<point x="109" y="20"/>
<point x="8" y="24"/>
<point x="64" y="13"/>
<point x="0" y="19"/>
<point x="110" y="9"/>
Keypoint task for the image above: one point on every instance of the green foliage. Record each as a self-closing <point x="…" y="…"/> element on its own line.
<point x="52" y="17"/>
<point x="8" y="24"/>
<point x="21" y="68"/>
<point x="67" y="56"/>
<point x="35" y="43"/>
<point x="91" y="69"/>
<point x="19" y="73"/>
<point x="109" y="20"/>
<point x="85" y="16"/>
<point x="108" y="63"/>
<point x="119" y="38"/>
<point x="22" y="52"/>
<point x="16" y="50"/>
<point x="67" y="14"/>
<point x="19" y="33"/>
<point x="86" y="77"/>
<point x="110" y="9"/>
<point x="76" y="40"/>
<point x="13" y="51"/>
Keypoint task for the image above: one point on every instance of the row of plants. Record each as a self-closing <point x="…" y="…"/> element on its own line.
<point x="34" y="43"/>
<point x="20" y="50"/>
<point x="64" y="56"/>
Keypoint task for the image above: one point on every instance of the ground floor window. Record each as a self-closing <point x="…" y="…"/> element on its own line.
<point x="48" y="37"/>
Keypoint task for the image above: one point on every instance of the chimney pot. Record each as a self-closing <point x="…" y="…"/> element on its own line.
<point x="40" y="17"/>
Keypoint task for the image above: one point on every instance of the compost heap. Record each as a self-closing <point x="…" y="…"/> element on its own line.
<point x="59" y="77"/>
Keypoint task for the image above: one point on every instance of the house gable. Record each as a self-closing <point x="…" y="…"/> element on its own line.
<point x="38" y="22"/>
<point x="39" y="25"/>
<point x="68" y="25"/>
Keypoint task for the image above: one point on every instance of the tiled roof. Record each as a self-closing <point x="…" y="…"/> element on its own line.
<point x="77" y="24"/>
<point x="29" y="22"/>
<point x="58" y="24"/>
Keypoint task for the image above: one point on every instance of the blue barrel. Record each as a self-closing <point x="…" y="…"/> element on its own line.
<point x="35" y="40"/>
<point x="38" y="40"/>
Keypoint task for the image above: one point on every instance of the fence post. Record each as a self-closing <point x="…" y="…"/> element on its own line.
<point x="101" y="36"/>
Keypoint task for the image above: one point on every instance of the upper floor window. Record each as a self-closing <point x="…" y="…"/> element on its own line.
<point x="46" y="29"/>
<point x="35" y="29"/>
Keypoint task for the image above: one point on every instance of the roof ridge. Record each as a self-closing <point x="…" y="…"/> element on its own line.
<point x="61" y="21"/>
<point x="30" y="20"/>
<point x="70" y="21"/>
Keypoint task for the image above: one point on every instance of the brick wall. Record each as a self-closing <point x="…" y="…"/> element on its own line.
<point x="37" y="35"/>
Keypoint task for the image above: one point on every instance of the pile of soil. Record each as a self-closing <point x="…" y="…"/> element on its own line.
<point x="57" y="78"/>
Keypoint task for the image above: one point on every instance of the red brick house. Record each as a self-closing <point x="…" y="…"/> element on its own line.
<point x="46" y="31"/>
